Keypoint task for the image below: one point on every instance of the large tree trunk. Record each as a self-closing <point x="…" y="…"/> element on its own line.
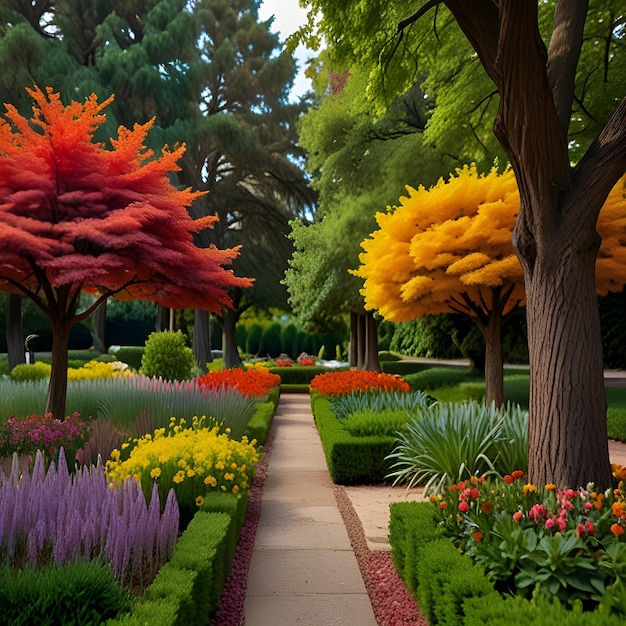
<point x="202" y="338"/>
<point x="57" y="388"/>
<point x="370" y="360"/>
<point x="14" y="333"/>
<point x="229" y="342"/>
<point x="568" y="434"/>
<point x="555" y="236"/>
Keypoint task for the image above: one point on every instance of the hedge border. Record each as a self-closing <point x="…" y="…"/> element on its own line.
<point x="351" y="460"/>
<point x="451" y="590"/>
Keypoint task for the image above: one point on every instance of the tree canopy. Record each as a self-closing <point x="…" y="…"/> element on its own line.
<point x="77" y="217"/>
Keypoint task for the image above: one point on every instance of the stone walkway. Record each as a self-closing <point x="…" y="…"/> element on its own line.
<point x="303" y="570"/>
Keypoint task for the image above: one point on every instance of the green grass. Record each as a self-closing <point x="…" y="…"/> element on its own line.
<point x="454" y="385"/>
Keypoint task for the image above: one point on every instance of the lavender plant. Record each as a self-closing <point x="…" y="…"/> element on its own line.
<point x="55" y="517"/>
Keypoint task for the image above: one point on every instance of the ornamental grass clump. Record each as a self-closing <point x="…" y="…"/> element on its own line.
<point x="190" y="459"/>
<point x="563" y="543"/>
<point x="347" y="381"/>
<point x="255" y="382"/>
<point x="55" y="517"/>
<point x="411" y="402"/>
<point x="44" y="433"/>
<point x="450" y="441"/>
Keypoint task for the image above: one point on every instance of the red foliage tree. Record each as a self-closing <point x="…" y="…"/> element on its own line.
<point x="78" y="216"/>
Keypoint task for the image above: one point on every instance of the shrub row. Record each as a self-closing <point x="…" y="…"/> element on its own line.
<point x="351" y="460"/>
<point x="259" y="425"/>
<point x="452" y="591"/>
<point x="187" y="588"/>
<point x="298" y="374"/>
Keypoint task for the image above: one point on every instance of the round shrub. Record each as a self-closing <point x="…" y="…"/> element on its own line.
<point x="166" y="355"/>
<point x="32" y="371"/>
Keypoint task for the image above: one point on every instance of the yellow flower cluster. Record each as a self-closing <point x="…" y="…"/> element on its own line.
<point x="98" y="369"/>
<point x="191" y="460"/>
<point x="258" y="365"/>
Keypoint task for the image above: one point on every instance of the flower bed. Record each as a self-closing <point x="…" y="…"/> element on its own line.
<point x="347" y="381"/>
<point x="564" y="543"/>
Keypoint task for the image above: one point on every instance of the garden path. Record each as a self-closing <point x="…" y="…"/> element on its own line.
<point x="303" y="569"/>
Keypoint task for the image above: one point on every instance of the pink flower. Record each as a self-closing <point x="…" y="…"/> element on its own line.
<point x="537" y="513"/>
<point x="463" y="507"/>
<point x="549" y="523"/>
<point x="517" y="516"/>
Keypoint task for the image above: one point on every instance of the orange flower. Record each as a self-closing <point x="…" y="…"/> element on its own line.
<point x="486" y="507"/>
<point x="619" y="471"/>
<point x="617" y="529"/>
<point x="508" y="479"/>
<point x="478" y="536"/>
<point x="619" y="509"/>
<point x="251" y="382"/>
<point x="347" y="381"/>
<point x="517" y="474"/>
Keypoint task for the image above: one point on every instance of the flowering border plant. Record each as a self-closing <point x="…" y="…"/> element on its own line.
<point x="191" y="459"/>
<point x="347" y="381"/>
<point x="255" y="381"/>
<point x="568" y="543"/>
<point x="45" y="433"/>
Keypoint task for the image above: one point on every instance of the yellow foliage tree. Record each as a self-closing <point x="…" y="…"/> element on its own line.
<point x="448" y="249"/>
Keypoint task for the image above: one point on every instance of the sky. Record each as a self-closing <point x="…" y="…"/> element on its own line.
<point x="288" y="16"/>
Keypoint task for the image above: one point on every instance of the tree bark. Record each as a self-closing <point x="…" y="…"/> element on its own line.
<point x="202" y="339"/>
<point x="229" y="343"/>
<point x="555" y="237"/>
<point x="14" y="333"/>
<point x="99" y="327"/>
<point x="353" y="348"/>
<point x="57" y="388"/>
<point x="494" y="363"/>
<point x="370" y="360"/>
<point x="163" y="318"/>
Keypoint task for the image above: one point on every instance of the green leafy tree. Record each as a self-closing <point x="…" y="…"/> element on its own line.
<point x="567" y="146"/>
<point x="357" y="163"/>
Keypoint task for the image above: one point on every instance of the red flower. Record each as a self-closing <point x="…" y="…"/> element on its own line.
<point x="487" y="507"/>
<point x="478" y="536"/>
<point x="347" y="381"/>
<point x="464" y="507"/>
<point x="508" y="479"/>
<point x="251" y="382"/>
<point x="517" y="474"/>
<point x="517" y="516"/>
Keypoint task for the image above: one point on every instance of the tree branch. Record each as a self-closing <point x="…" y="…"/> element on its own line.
<point x="564" y="53"/>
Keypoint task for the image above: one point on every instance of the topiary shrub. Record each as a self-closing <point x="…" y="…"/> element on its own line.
<point x="167" y="356"/>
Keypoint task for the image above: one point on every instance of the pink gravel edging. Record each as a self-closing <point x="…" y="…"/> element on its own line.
<point x="392" y="602"/>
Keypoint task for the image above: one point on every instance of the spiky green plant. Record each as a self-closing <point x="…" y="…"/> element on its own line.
<point x="375" y="401"/>
<point x="449" y="442"/>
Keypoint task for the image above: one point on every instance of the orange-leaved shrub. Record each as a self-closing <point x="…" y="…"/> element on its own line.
<point x="347" y="381"/>
<point x="255" y="382"/>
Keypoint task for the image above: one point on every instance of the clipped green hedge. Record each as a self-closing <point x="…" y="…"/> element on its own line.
<point x="453" y="591"/>
<point x="187" y="588"/>
<point x="351" y="460"/>
<point x="259" y="424"/>
<point x="299" y="374"/>
<point x="131" y="355"/>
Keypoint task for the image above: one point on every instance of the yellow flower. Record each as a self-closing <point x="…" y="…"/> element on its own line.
<point x="211" y="481"/>
<point x="190" y="473"/>
<point x="229" y="476"/>
<point x="115" y="454"/>
<point x="199" y="501"/>
<point x="529" y="488"/>
<point x="235" y="489"/>
<point x="155" y="472"/>
<point x="550" y="487"/>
